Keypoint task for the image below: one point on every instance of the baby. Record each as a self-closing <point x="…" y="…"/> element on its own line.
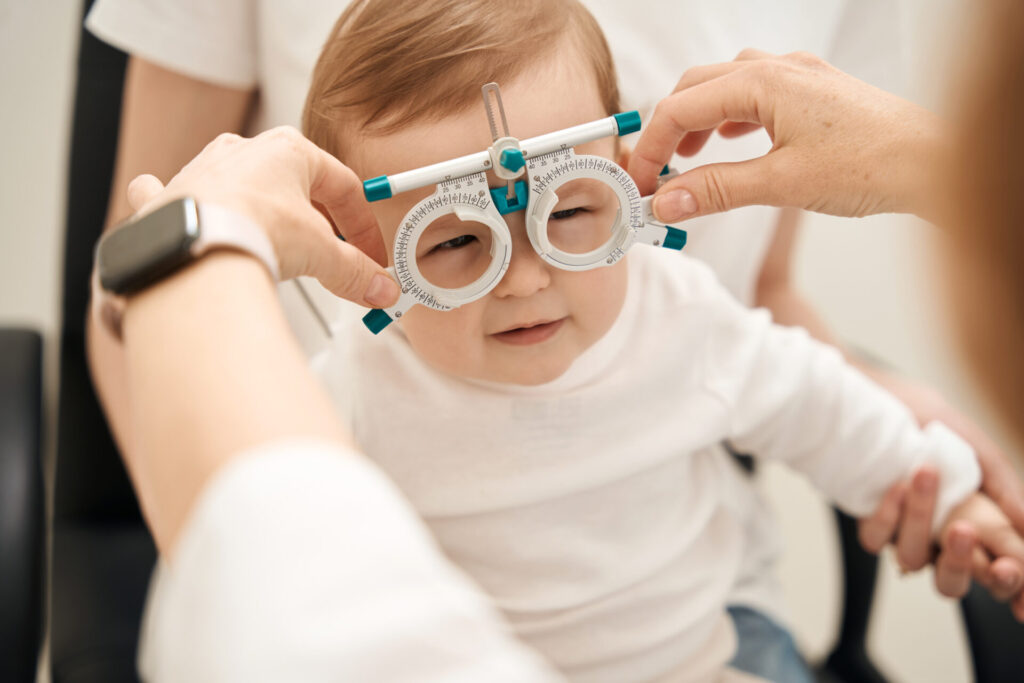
<point x="559" y="434"/>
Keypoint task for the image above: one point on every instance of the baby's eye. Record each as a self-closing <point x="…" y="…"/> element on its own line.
<point x="564" y="213"/>
<point x="455" y="243"/>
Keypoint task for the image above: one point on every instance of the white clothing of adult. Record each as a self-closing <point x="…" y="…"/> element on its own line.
<point x="300" y="562"/>
<point x="594" y="509"/>
<point x="272" y="46"/>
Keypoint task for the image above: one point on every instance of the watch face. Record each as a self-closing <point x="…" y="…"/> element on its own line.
<point x="148" y="249"/>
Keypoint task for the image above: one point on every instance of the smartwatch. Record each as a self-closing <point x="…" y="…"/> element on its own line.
<point x="147" y="249"/>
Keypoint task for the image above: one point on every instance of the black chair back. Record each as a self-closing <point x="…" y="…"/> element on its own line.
<point x="22" y="510"/>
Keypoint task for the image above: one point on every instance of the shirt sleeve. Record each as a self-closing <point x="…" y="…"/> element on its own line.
<point x="794" y="399"/>
<point x="209" y="41"/>
<point x="302" y="562"/>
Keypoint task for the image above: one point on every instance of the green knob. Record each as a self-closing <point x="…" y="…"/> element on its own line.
<point x="512" y="159"/>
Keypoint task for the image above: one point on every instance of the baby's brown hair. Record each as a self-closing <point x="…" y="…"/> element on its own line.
<point x="391" y="63"/>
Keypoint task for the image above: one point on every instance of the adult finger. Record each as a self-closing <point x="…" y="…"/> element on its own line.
<point x="1007" y="577"/>
<point x="732" y="97"/>
<point x="142" y="189"/>
<point x="953" y="567"/>
<point x="751" y="53"/>
<point x="914" y="540"/>
<point x="716" y="187"/>
<point x="735" y="129"/>
<point x="876" y="531"/>
<point x="693" y="142"/>
<point x="338" y="189"/>
<point x="1003" y="542"/>
<point x="346" y="270"/>
<point x="999" y="480"/>
<point x="706" y="72"/>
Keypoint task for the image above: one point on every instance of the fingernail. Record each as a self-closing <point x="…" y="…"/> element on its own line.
<point x="674" y="205"/>
<point x="382" y="291"/>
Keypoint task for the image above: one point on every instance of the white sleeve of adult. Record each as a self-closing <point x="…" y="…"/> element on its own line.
<point x="301" y="562"/>
<point x="209" y="41"/>
<point x="795" y="399"/>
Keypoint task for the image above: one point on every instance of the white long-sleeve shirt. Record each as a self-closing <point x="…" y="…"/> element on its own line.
<point x="594" y="510"/>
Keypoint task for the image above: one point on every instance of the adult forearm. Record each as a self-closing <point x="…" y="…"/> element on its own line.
<point x="166" y="119"/>
<point x="212" y="370"/>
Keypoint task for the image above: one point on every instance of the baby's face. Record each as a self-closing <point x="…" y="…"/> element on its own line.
<point x="539" y="318"/>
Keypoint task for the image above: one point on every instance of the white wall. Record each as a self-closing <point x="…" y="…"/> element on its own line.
<point x="870" y="277"/>
<point x="37" y="52"/>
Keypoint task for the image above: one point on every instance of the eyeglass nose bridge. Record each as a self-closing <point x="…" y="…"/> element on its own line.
<point x="506" y="205"/>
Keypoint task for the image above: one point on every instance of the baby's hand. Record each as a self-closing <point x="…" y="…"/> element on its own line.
<point x="997" y="560"/>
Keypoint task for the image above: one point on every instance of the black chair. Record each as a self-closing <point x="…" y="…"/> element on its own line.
<point x="849" y="661"/>
<point x="22" y="509"/>
<point x="102" y="552"/>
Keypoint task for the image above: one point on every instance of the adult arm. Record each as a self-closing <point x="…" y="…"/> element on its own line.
<point x="274" y="180"/>
<point x="166" y="119"/>
<point x="840" y="146"/>
<point x="284" y="553"/>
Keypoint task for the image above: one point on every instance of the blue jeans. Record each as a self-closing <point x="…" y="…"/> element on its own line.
<point x="766" y="649"/>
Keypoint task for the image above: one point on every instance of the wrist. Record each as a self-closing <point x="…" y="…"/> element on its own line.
<point x="199" y="294"/>
<point x="158" y="244"/>
<point x="923" y="152"/>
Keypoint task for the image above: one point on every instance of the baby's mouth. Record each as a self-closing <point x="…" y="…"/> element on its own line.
<point x="532" y="333"/>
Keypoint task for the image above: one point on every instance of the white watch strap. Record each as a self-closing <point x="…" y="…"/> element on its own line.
<point x="222" y="227"/>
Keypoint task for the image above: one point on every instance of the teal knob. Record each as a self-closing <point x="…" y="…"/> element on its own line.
<point x="512" y="159"/>
<point x="628" y="122"/>
<point x="674" y="238"/>
<point x="376" y="320"/>
<point x="377" y="188"/>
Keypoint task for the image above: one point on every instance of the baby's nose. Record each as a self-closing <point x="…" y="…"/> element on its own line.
<point x="527" y="272"/>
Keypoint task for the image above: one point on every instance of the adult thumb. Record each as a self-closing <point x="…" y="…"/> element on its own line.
<point x="348" y="272"/>
<point x="715" y="188"/>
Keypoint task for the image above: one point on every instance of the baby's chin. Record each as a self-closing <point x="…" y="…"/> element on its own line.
<point x="537" y="376"/>
<point x="525" y="372"/>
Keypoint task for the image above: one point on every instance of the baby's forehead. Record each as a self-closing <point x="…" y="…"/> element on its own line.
<point x="534" y="105"/>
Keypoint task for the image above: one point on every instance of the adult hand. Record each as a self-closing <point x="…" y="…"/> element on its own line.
<point x="278" y="179"/>
<point x="905" y="515"/>
<point x="840" y="146"/>
<point x="905" y="518"/>
<point x="999" y="480"/>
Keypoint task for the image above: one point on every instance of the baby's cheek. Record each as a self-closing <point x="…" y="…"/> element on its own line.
<point x="597" y="298"/>
<point x="442" y="338"/>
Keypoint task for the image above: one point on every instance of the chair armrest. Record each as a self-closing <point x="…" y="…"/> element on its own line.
<point x="22" y="509"/>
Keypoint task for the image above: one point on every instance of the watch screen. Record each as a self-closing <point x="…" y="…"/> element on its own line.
<point x="149" y="248"/>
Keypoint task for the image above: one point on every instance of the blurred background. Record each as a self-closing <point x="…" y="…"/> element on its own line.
<point x="869" y="277"/>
